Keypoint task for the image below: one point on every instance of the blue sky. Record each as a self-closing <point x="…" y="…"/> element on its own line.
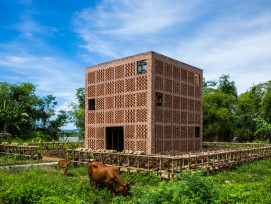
<point x="49" y="43"/>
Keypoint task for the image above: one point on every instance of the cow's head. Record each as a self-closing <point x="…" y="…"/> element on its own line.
<point x="124" y="190"/>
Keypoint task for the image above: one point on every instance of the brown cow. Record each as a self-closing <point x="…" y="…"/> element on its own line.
<point x="63" y="164"/>
<point x="108" y="176"/>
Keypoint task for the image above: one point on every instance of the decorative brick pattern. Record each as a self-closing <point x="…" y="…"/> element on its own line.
<point x="100" y="90"/>
<point x="129" y="145"/>
<point x="176" y="102"/>
<point x="119" y="86"/>
<point x="168" y="85"/>
<point x="191" y="105"/>
<point x="100" y="104"/>
<point x="168" y="101"/>
<point x="130" y="116"/>
<point x="100" y="75"/>
<point x="99" y="117"/>
<point x="100" y="144"/>
<point x="197" y="119"/>
<point x="91" y="118"/>
<point x="176" y="73"/>
<point x="91" y="78"/>
<point x="159" y="116"/>
<point x="141" y="99"/>
<point x="91" y="91"/>
<point x="191" y="145"/>
<point x="167" y="116"/>
<point x="129" y="131"/>
<point x="191" y="91"/>
<point x="198" y="144"/>
<point x="159" y="131"/>
<point x="109" y="102"/>
<point x="109" y="117"/>
<point x="176" y="87"/>
<point x="184" y="103"/>
<point x="141" y="146"/>
<point x="183" y="145"/>
<point x="130" y="100"/>
<point x="176" y="146"/>
<point x="184" y="117"/>
<point x="184" y="75"/>
<point x="191" y="132"/>
<point x="191" y="77"/>
<point x="130" y="85"/>
<point x="167" y="146"/>
<point x="197" y="92"/>
<point x="176" y="117"/>
<point x="159" y="83"/>
<point x="100" y="133"/>
<point x="168" y="70"/>
<point x="130" y="69"/>
<point x="110" y="74"/>
<point x="141" y="115"/>
<point x="119" y="116"/>
<point x="119" y="71"/>
<point x="158" y="67"/>
<point x="141" y="83"/>
<point x="159" y="147"/>
<point x="119" y="101"/>
<point x="168" y="131"/>
<point x="198" y="106"/>
<point x="190" y="118"/>
<point x="109" y="88"/>
<point x="91" y="143"/>
<point x="91" y="132"/>
<point x="183" y="132"/>
<point x="176" y="132"/>
<point x="183" y="89"/>
<point x="141" y="131"/>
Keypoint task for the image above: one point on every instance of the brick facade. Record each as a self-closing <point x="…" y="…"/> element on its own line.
<point x="155" y="110"/>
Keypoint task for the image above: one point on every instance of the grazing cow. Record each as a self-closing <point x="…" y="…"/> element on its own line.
<point x="107" y="176"/>
<point x="63" y="164"/>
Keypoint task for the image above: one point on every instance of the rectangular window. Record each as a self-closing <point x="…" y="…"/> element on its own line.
<point x="197" y="131"/>
<point x="158" y="99"/>
<point x="142" y="67"/>
<point x="91" y="104"/>
<point x="197" y="79"/>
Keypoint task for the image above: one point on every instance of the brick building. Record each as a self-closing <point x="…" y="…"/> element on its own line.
<point x="147" y="102"/>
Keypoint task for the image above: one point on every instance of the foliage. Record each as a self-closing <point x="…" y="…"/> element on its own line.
<point x="219" y="102"/>
<point x="25" y="115"/>
<point x="248" y="183"/>
<point x="77" y="114"/>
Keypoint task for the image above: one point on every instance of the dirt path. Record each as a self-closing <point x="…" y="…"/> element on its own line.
<point x="27" y="165"/>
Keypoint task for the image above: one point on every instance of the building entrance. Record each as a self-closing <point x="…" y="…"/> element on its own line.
<point x="114" y="138"/>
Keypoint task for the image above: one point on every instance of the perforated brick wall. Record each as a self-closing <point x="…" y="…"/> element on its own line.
<point x="125" y="97"/>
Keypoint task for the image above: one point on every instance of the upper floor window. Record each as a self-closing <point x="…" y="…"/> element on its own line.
<point x="91" y="104"/>
<point x="142" y="67"/>
<point x="159" y="99"/>
<point x="197" y="79"/>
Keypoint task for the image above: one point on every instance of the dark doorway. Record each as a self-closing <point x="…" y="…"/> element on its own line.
<point x="114" y="138"/>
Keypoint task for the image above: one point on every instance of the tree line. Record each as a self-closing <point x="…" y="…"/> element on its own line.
<point x="226" y="115"/>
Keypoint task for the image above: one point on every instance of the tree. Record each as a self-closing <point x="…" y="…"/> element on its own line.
<point x="77" y="114"/>
<point x="263" y="129"/>
<point x="219" y="105"/>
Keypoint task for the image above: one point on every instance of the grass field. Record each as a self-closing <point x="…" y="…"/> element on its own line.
<point x="247" y="183"/>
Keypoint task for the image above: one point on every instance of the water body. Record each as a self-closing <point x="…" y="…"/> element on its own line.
<point x="71" y="139"/>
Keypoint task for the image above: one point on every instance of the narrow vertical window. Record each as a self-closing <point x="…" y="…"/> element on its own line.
<point x="197" y="79"/>
<point x="91" y="104"/>
<point x="197" y="131"/>
<point x="159" y="99"/>
<point x="142" y="67"/>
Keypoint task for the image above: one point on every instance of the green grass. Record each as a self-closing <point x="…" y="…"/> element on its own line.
<point x="6" y="160"/>
<point x="248" y="183"/>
